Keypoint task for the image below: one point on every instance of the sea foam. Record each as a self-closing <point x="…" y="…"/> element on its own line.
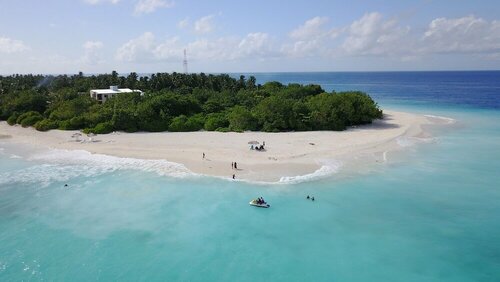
<point x="327" y="169"/>
<point x="446" y="120"/>
<point x="110" y="163"/>
<point x="405" y="141"/>
<point x="62" y="165"/>
<point x="59" y="165"/>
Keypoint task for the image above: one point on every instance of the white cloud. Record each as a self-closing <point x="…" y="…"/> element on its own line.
<point x="204" y="24"/>
<point x="462" y="35"/>
<point x="92" y="45"/>
<point x="257" y="45"/>
<point x="137" y="48"/>
<point x="183" y="23"/>
<point x="146" y="49"/>
<point x="311" y="29"/>
<point x="217" y="49"/>
<point x="310" y="39"/>
<point x="149" y="6"/>
<point x="170" y="49"/>
<point x="95" y="2"/>
<point x="372" y="35"/>
<point x="305" y="48"/>
<point x="8" y="45"/>
<point x="92" y="53"/>
<point x="254" y="45"/>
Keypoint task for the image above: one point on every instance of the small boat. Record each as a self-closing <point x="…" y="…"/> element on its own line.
<point x="255" y="203"/>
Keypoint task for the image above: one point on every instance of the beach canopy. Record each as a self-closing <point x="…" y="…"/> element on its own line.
<point x="253" y="142"/>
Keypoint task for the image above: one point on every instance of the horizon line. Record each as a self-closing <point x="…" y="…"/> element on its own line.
<point x="254" y="72"/>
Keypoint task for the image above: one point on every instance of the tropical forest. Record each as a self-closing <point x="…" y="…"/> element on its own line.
<point x="178" y="102"/>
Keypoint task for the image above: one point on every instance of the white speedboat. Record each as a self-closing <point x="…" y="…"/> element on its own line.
<point x="255" y="203"/>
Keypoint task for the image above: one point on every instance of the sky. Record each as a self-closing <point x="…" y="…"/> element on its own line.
<point x="98" y="36"/>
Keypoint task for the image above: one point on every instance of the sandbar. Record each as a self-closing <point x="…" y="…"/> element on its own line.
<point x="286" y="154"/>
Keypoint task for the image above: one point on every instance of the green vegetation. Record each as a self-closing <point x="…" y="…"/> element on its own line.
<point x="178" y="102"/>
<point x="29" y="118"/>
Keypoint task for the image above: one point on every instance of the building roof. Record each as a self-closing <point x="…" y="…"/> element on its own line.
<point x="111" y="91"/>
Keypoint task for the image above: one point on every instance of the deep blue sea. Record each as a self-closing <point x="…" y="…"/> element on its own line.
<point x="432" y="214"/>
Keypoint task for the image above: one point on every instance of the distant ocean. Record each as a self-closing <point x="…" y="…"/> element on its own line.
<point x="431" y="214"/>
<point x="479" y="89"/>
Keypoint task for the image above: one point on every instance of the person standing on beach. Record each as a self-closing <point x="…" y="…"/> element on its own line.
<point x="232" y="165"/>
<point x="235" y="165"/>
<point x="203" y="155"/>
<point x="234" y="176"/>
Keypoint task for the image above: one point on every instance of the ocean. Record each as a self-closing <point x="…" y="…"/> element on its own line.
<point x="431" y="214"/>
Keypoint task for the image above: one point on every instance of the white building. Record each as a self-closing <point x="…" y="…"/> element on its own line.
<point x="102" y="95"/>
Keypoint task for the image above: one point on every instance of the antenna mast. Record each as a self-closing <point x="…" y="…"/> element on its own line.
<point x="185" y="62"/>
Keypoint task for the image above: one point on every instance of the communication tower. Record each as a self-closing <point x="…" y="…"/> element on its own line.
<point x="185" y="62"/>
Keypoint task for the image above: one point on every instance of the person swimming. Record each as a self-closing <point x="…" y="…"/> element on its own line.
<point x="308" y="197"/>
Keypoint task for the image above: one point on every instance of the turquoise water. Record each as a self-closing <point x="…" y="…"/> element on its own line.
<point x="431" y="214"/>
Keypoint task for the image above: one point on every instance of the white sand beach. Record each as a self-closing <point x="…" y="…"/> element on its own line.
<point x="286" y="155"/>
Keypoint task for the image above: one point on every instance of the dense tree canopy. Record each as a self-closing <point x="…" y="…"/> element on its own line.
<point x="178" y="102"/>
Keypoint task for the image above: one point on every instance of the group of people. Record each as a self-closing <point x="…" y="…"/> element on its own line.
<point x="259" y="147"/>
<point x="261" y="201"/>
<point x="234" y="165"/>
<point x="310" y="198"/>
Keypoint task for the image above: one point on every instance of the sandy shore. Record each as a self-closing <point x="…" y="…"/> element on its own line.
<point x="287" y="154"/>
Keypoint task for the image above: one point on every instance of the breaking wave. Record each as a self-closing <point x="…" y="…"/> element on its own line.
<point x="59" y="165"/>
<point x="404" y="141"/>
<point x="446" y="120"/>
<point x="62" y="165"/>
<point x="326" y="170"/>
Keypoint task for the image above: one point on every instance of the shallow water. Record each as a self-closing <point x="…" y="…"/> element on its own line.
<point x="430" y="214"/>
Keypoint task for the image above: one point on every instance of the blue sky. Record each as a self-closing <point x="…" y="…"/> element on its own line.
<point x="95" y="36"/>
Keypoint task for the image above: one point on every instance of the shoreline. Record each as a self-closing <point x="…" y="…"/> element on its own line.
<point x="289" y="156"/>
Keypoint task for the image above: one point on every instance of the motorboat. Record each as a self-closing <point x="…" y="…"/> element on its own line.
<point x="255" y="203"/>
